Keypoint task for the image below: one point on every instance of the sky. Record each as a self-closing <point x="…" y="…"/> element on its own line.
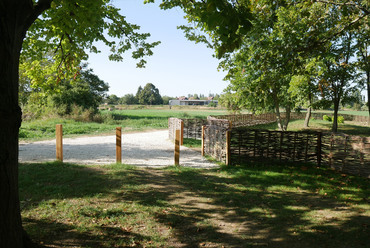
<point x="178" y="67"/>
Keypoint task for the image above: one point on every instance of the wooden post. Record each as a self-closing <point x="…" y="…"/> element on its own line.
<point x="182" y="133"/>
<point x="203" y="136"/>
<point x="59" y="142"/>
<point x="228" y="139"/>
<point x="118" y="145"/>
<point x="177" y="148"/>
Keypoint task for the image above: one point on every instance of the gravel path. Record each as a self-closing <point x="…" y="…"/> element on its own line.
<point x="151" y="149"/>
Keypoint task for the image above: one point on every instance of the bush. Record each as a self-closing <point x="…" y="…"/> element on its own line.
<point x="327" y="118"/>
<point x="340" y="119"/>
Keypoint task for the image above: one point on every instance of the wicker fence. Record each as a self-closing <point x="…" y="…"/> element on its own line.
<point x="173" y="125"/>
<point x="225" y="142"/>
<point x="349" y="154"/>
<point x="214" y="138"/>
<point x="264" y="144"/>
<point x="191" y="128"/>
<point x="244" y="120"/>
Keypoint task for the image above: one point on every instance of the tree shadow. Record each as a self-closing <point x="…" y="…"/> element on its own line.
<point x="241" y="206"/>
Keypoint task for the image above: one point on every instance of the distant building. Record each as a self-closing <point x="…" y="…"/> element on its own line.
<point x="184" y="102"/>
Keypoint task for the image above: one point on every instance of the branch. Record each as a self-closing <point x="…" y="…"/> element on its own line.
<point x="37" y="10"/>
<point x="364" y="9"/>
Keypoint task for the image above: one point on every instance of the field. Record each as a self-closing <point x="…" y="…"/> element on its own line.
<point x="139" y="119"/>
<point x="65" y="205"/>
<point x="130" y="120"/>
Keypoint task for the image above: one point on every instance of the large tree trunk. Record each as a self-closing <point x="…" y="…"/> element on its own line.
<point x="16" y="16"/>
<point x="10" y="120"/>
<point x="368" y="94"/>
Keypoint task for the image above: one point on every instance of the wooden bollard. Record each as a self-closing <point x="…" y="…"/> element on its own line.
<point x="59" y="142"/>
<point x="177" y="148"/>
<point x="118" y="145"/>
<point x="182" y="133"/>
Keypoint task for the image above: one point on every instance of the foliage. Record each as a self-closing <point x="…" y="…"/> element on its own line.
<point x="166" y="99"/>
<point x="128" y="99"/>
<point x="86" y="92"/>
<point x="222" y="23"/>
<point x="69" y="28"/>
<point x="149" y="95"/>
<point x="327" y="118"/>
<point x="112" y="99"/>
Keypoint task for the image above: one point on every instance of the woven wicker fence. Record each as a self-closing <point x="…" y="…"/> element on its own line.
<point x="247" y="119"/>
<point x="215" y="138"/>
<point x="349" y="154"/>
<point x="244" y="120"/>
<point x="173" y="125"/>
<point x="247" y="144"/>
<point x="193" y="128"/>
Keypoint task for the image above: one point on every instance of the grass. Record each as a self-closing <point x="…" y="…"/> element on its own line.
<point x="130" y="120"/>
<point x="243" y="206"/>
<point x="192" y="143"/>
<point x="319" y="125"/>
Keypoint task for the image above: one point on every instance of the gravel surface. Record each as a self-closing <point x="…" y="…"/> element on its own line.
<point x="151" y="149"/>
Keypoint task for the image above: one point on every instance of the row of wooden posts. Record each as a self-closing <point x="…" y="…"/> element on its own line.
<point x="59" y="144"/>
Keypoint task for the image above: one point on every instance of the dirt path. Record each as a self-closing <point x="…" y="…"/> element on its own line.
<point x="150" y="149"/>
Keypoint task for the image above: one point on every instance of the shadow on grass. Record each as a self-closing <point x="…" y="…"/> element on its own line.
<point x="253" y="205"/>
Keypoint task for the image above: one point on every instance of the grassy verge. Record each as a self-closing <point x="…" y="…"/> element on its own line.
<point x="130" y="120"/>
<point x="319" y="125"/>
<point x="243" y="206"/>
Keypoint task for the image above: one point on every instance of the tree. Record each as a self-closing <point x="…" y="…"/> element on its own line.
<point x="67" y="27"/>
<point x="149" y="95"/>
<point x="128" y="99"/>
<point x="86" y="92"/>
<point x="166" y="99"/>
<point x="112" y="99"/>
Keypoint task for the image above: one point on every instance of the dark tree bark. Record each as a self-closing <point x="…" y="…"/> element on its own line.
<point x="16" y="16"/>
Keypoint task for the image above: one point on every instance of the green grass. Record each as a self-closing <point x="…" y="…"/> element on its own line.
<point x="347" y="112"/>
<point x="129" y="120"/>
<point x="253" y="205"/>
<point x="192" y="143"/>
<point x="319" y="125"/>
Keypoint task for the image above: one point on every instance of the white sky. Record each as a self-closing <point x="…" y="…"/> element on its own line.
<point x="178" y="67"/>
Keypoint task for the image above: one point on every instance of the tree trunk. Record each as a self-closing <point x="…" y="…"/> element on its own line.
<point x="10" y="120"/>
<point x="335" y="120"/>
<point x="16" y="16"/>
<point x="277" y="112"/>
<point x="309" y="110"/>
<point x="308" y="116"/>
<point x="368" y="94"/>
<point x="287" y="117"/>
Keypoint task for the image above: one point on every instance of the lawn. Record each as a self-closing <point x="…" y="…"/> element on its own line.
<point x="130" y="120"/>
<point x="65" y="205"/>
<point x="319" y="125"/>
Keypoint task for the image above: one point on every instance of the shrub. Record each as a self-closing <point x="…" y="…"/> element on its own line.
<point x="327" y="118"/>
<point x="340" y="119"/>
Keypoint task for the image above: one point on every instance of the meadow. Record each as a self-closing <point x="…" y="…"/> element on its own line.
<point x="138" y="118"/>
